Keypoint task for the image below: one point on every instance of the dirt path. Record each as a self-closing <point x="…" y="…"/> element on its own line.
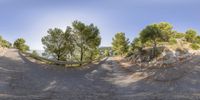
<point x="21" y="79"/>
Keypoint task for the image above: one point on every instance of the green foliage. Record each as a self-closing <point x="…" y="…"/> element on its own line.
<point x="55" y="43"/>
<point x="106" y="53"/>
<point x="190" y="35"/>
<point x="166" y="30"/>
<point x="97" y="55"/>
<point x="34" y="53"/>
<point x="179" y="35"/>
<point x="46" y="55"/>
<point x="165" y="26"/>
<point x="86" y="39"/>
<point x="172" y="41"/>
<point x="136" y="44"/>
<point x="105" y="48"/>
<point x="120" y="44"/>
<point x="69" y="44"/>
<point x="197" y="39"/>
<point x="5" y="43"/>
<point x="1" y="38"/>
<point x="79" y="42"/>
<point x="194" y="46"/>
<point x="20" y="44"/>
<point x="93" y="55"/>
<point x="161" y="34"/>
<point x="151" y="33"/>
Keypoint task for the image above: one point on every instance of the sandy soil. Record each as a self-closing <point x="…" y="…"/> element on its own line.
<point x="21" y="79"/>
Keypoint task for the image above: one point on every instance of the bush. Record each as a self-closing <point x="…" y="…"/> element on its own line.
<point x="172" y="41"/>
<point x="106" y="53"/>
<point x="194" y="46"/>
<point x="179" y="35"/>
<point x="4" y="43"/>
<point x="34" y="53"/>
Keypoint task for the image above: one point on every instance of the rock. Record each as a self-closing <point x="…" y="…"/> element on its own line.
<point x="2" y="51"/>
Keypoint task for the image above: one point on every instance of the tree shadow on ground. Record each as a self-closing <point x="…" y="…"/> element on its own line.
<point x="24" y="80"/>
<point x="179" y="81"/>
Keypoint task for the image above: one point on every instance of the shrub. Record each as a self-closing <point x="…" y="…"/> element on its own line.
<point x="34" y="53"/>
<point x="172" y="41"/>
<point x="106" y="53"/>
<point x="194" y="46"/>
<point x="4" y="43"/>
<point x="179" y="35"/>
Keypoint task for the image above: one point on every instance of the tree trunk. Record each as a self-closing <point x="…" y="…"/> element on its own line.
<point x="81" y="58"/>
<point x="71" y="53"/>
<point x="91" y="56"/>
<point x="58" y="57"/>
<point x="154" y="49"/>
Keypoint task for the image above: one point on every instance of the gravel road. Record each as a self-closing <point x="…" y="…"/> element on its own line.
<point x="21" y="79"/>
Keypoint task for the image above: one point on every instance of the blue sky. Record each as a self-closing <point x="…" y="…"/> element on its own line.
<point x="30" y="19"/>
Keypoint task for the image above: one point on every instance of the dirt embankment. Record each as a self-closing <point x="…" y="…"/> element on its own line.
<point x="2" y="51"/>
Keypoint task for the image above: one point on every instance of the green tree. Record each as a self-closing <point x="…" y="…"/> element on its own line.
<point x="194" y="46"/>
<point x="178" y="35"/>
<point x="166" y="29"/>
<point x="86" y="38"/>
<point x="20" y="44"/>
<point x="106" y="53"/>
<point x="5" y="43"/>
<point x="151" y="33"/>
<point x="1" y="38"/>
<point x="34" y="53"/>
<point x="197" y="39"/>
<point x="54" y="43"/>
<point x="69" y="44"/>
<point x="136" y="45"/>
<point x="120" y="44"/>
<point x="190" y="35"/>
<point x="172" y="41"/>
<point x="79" y="42"/>
<point x="46" y="55"/>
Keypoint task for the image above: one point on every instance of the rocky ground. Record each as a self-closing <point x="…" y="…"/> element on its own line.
<point x="21" y="79"/>
<point x="2" y="51"/>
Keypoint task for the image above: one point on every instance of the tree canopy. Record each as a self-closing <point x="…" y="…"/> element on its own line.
<point x="136" y="44"/>
<point x="87" y="39"/>
<point x="162" y="33"/>
<point x="120" y="44"/>
<point x="79" y="42"/>
<point x="20" y="44"/>
<point x="166" y="30"/>
<point x="151" y="33"/>
<point x="190" y="35"/>
<point x="5" y="43"/>
<point x="54" y="43"/>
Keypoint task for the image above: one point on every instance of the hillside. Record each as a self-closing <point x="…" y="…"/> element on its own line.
<point x="4" y="44"/>
<point x="167" y="54"/>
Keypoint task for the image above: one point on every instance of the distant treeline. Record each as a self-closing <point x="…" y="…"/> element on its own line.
<point x="80" y="42"/>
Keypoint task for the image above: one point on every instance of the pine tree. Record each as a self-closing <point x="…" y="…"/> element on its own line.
<point x="120" y="44"/>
